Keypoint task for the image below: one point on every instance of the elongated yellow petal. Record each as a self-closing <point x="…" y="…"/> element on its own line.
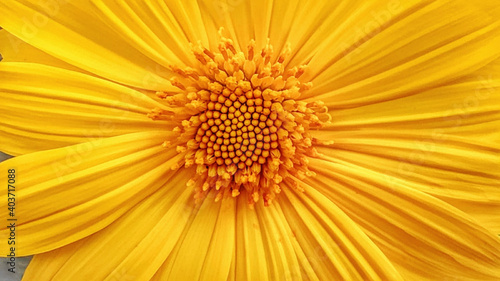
<point x="445" y="144"/>
<point x="71" y="32"/>
<point x="205" y="249"/>
<point x="335" y="247"/>
<point x="150" y="27"/>
<point x="325" y="31"/>
<point x="46" y="107"/>
<point x="467" y="108"/>
<point x="283" y="263"/>
<point x="218" y="259"/>
<point x="45" y="266"/>
<point x="69" y="193"/>
<point x="13" y="49"/>
<point x="263" y="20"/>
<point x="460" y="171"/>
<point x="149" y="229"/>
<point x="424" y="237"/>
<point x="251" y="259"/>
<point x="417" y="51"/>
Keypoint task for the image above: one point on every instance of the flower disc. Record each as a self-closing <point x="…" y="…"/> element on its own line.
<point x="242" y="122"/>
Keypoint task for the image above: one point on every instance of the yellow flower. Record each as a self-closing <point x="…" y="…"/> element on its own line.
<point x="251" y="140"/>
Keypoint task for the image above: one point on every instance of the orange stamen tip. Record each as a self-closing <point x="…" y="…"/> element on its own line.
<point x="240" y="121"/>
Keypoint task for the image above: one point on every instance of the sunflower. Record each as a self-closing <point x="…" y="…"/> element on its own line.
<point x="251" y="140"/>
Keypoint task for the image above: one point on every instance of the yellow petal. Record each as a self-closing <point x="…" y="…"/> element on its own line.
<point x="324" y="31"/>
<point x="72" y="33"/>
<point x="218" y="259"/>
<point x="251" y="258"/>
<point x="469" y="107"/>
<point x="151" y="228"/>
<point x="13" y="49"/>
<point x="283" y="263"/>
<point x="443" y="141"/>
<point x="424" y="237"/>
<point x="460" y="171"/>
<point x="265" y="246"/>
<point x="150" y="27"/>
<point x="69" y="193"/>
<point x="205" y="249"/>
<point x="335" y="247"/>
<point x="417" y="49"/>
<point x="47" y="107"/>
<point x="45" y="266"/>
<point x="262" y="20"/>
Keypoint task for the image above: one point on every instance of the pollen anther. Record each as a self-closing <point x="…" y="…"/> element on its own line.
<point x="243" y="124"/>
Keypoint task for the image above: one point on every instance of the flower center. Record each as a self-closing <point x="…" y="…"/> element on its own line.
<point x="241" y="122"/>
<point x="238" y="128"/>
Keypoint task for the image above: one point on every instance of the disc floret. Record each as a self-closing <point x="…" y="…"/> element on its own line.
<point x="241" y="121"/>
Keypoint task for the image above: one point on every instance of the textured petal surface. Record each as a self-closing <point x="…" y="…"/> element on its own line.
<point x="297" y="238"/>
<point x="13" y="49"/>
<point x="409" y="51"/>
<point x="151" y="229"/>
<point x="47" y="107"/>
<point x="446" y="143"/>
<point x="71" y="32"/>
<point x="206" y="246"/>
<point x="333" y="245"/>
<point x="161" y="30"/>
<point x="72" y="192"/>
<point x="424" y="237"/>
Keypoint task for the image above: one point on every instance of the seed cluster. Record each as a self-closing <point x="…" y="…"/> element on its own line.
<point x="238" y="127"/>
<point x="241" y="122"/>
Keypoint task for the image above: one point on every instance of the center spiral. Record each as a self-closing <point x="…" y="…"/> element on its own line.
<point x="238" y="128"/>
<point x="242" y="122"/>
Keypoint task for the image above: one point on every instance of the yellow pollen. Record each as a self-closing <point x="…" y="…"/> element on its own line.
<point x="241" y="121"/>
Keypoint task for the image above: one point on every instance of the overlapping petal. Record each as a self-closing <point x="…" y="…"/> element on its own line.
<point x="160" y="30"/>
<point x="205" y="248"/>
<point x="74" y="191"/>
<point x="51" y="26"/>
<point x="446" y="143"/>
<point x="151" y="229"/>
<point x="13" y="49"/>
<point x="335" y="247"/>
<point x="49" y="107"/>
<point x="424" y="237"/>
<point x="406" y="53"/>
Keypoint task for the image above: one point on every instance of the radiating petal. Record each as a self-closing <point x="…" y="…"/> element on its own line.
<point x="279" y="261"/>
<point x="74" y="191"/>
<point x="304" y="238"/>
<point x="445" y="144"/>
<point x="412" y="50"/>
<point x="150" y="27"/>
<point x="262" y="20"/>
<point x="44" y="266"/>
<point x="469" y="107"/>
<point x="205" y="249"/>
<point x="71" y="32"/>
<point x="460" y="171"/>
<point x="47" y="107"/>
<point x="148" y="229"/>
<point x="251" y="258"/>
<point x="282" y="262"/>
<point x="335" y="248"/>
<point x="13" y="49"/>
<point x="424" y="237"/>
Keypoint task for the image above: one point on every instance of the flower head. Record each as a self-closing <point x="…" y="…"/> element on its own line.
<point x="252" y="140"/>
<point x="240" y="121"/>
